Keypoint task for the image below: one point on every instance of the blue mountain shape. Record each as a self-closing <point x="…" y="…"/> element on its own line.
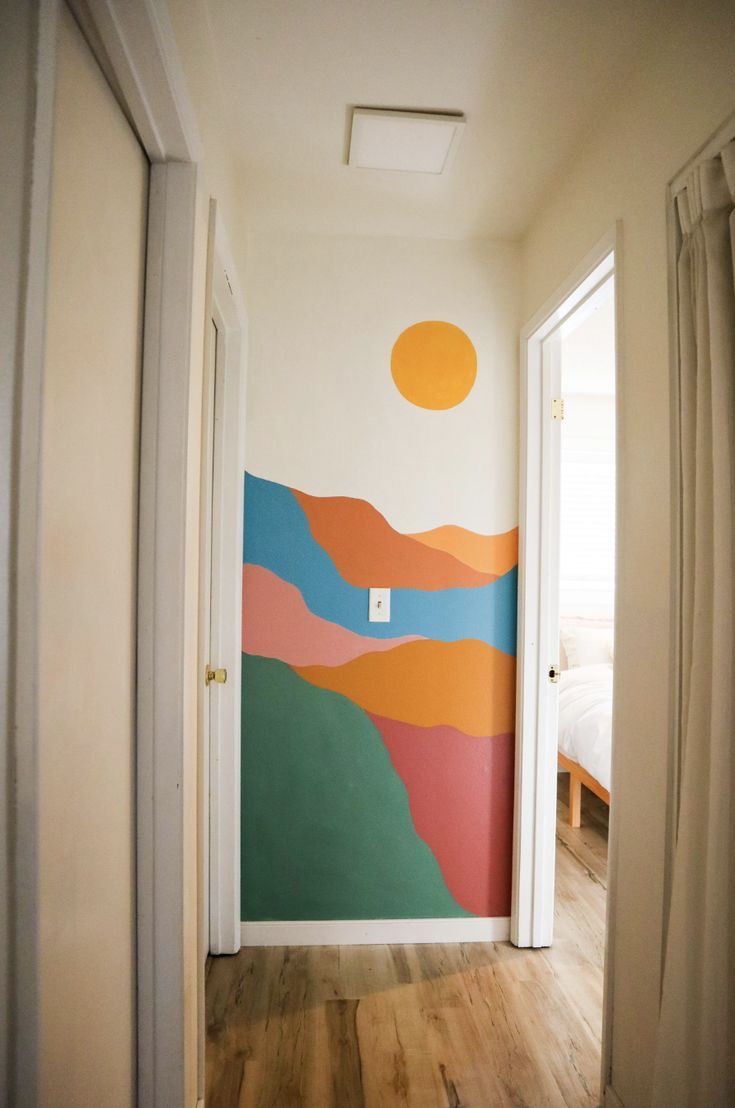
<point x="277" y="537"/>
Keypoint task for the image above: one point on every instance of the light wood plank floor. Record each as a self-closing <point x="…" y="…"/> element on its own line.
<point x="445" y="1026"/>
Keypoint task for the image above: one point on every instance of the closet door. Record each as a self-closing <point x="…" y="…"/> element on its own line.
<point x="89" y="539"/>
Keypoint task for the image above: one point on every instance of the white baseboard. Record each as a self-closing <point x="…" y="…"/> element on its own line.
<point x="611" y="1099"/>
<point x="374" y="932"/>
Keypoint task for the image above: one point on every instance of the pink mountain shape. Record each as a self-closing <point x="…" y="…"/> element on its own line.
<point x="276" y="623"/>
<point x="460" y="791"/>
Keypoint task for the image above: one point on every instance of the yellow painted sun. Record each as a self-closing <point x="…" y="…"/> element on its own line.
<point x="434" y="364"/>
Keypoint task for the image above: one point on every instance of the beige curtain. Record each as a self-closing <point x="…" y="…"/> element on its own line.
<point x="695" y="1060"/>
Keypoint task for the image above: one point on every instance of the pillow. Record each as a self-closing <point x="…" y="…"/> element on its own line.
<point x="586" y="646"/>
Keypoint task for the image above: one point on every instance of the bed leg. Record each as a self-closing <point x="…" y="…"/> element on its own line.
<point x="575" y="801"/>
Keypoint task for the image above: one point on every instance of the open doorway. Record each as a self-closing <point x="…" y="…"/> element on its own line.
<point x="586" y="591"/>
<point x="566" y="616"/>
<point x="220" y="595"/>
<point x="587" y="573"/>
<point x="220" y="599"/>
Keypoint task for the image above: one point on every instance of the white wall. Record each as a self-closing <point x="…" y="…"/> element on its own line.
<point x="587" y="507"/>
<point x="322" y="410"/>
<point x="587" y="503"/>
<point x="663" y="115"/>
<point x="219" y="174"/>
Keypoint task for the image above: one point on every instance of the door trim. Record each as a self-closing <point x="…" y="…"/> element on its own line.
<point x="135" y="47"/>
<point x="133" y="43"/>
<point x="227" y="305"/>
<point x="162" y="629"/>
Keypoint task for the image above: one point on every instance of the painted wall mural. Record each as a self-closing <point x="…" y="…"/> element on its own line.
<point x="377" y="757"/>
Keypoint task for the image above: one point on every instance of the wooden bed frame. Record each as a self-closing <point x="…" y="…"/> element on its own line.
<point x="578" y="777"/>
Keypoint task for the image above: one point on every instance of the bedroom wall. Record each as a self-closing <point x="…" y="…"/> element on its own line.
<point x="587" y="508"/>
<point x="665" y="112"/>
<point x="378" y="757"/>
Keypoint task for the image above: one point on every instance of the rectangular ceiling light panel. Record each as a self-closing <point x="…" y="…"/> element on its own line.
<point x="414" y="142"/>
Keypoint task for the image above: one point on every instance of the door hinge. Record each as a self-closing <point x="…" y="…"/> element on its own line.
<point x="557" y="407"/>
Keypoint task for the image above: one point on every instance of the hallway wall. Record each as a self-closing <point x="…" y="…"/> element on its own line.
<point x="378" y="757"/>
<point x="218" y="169"/>
<point x="665" y="112"/>
<point x="18" y="36"/>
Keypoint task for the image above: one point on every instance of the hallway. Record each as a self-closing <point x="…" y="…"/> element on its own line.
<point x="445" y="1026"/>
<point x="299" y="307"/>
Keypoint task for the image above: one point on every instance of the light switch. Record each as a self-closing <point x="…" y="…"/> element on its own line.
<point x="379" y="606"/>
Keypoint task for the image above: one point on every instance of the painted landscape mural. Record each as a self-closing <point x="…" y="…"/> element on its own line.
<point x="378" y="758"/>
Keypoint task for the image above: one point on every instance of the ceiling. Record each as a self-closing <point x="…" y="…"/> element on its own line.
<point x="531" y="76"/>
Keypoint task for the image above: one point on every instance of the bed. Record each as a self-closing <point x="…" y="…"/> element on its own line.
<point x="585" y="710"/>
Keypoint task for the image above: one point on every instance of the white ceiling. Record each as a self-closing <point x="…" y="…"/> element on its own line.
<point x="531" y="77"/>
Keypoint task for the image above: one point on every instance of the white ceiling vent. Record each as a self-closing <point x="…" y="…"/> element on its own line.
<point x="414" y="142"/>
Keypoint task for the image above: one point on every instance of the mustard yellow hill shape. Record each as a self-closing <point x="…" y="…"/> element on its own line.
<point x="491" y="554"/>
<point x="468" y="685"/>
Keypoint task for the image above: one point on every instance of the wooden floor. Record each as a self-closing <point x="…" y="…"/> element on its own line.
<point x="445" y="1026"/>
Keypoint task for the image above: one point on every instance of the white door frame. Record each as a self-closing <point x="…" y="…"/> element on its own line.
<point x="532" y="909"/>
<point x="222" y="640"/>
<point x="134" y="44"/>
<point x="162" y="676"/>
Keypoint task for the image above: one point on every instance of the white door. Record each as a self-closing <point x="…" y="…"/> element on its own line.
<point x="88" y="590"/>
<point x="221" y="606"/>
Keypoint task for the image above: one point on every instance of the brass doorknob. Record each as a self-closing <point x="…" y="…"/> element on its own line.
<point x="219" y="676"/>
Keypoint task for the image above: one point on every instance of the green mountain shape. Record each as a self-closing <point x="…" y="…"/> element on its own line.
<point x="326" y="825"/>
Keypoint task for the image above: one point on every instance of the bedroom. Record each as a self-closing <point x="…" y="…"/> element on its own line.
<point x="586" y="593"/>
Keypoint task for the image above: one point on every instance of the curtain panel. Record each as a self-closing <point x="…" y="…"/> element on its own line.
<point x="695" y="1058"/>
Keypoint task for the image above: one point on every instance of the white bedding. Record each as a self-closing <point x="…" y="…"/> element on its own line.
<point x="585" y="718"/>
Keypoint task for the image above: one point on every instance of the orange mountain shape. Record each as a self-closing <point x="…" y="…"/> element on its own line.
<point x="368" y="552"/>
<point x="468" y="685"/>
<point x="492" y="554"/>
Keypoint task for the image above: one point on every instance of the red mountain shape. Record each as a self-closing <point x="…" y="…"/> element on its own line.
<point x="460" y="790"/>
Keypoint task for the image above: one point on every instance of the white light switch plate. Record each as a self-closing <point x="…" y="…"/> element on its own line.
<point x="379" y="606"/>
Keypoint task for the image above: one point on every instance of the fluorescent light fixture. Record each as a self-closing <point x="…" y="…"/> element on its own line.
<point x="413" y="142"/>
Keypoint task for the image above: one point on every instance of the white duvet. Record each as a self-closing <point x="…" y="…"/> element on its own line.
<point x="585" y="718"/>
